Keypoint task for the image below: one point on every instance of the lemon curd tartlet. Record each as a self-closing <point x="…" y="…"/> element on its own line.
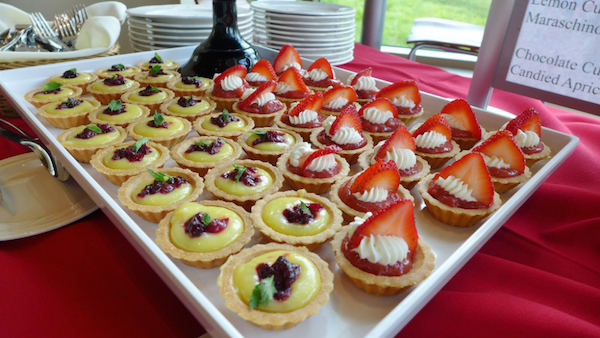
<point x="267" y="144"/>
<point x="149" y="96"/>
<point x="156" y="76"/>
<point x="118" y="69"/>
<point x="190" y="85"/>
<point x="68" y="113"/>
<point x="204" y="234"/>
<point x="306" y="283"/>
<point x="74" y="78"/>
<point x="224" y="124"/>
<point x="202" y="153"/>
<point x="118" y="113"/>
<point x="188" y="107"/>
<point x="111" y="88"/>
<point x="82" y="142"/>
<point x="51" y="92"/>
<point x="165" y="130"/>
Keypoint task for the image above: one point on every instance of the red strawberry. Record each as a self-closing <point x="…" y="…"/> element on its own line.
<point x="400" y="139"/>
<point x="436" y="123"/>
<point x="294" y="80"/>
<point x="461" y="113"/>
<point x="237" y="70"/>
<point x="407" y="89"/>
<point x="323" y="65"/>
<point x="529" y="120"/>
<point x="267" y="87"/>
<point x="264" y="68"/>
<point x="471" y="169"/>
<point x="382" y="104"/>
<point x="312" y="102"/>
<point x="367" y="72"/>
<point x="332" y="149"/>
<point x="503" y="145"/>
<point x="397" y="220"/>
<point x="382" y="174"/>
<point x="338" y="91"/>
<point x="287" y="55"/>
<point x="347" y="118"/>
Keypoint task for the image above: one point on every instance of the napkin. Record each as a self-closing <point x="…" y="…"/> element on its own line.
<point x="98" y="34"/>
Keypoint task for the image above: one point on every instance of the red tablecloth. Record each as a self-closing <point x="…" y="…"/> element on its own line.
<point x="539" y="275"/>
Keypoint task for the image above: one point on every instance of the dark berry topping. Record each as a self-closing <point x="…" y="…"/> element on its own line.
<point x="209" y="147"/>
<point x="115" y="80"/>
<point x="268" y="136"/>
<point x="156" y="71"/>
<point x="115" y="107"/>
<point x="153" y="124"/>
<point x="284" y="275"/>
<point x="223" y="119"/>
<point x="51" y="88"/>
<point x="158" y="187"/>
<point x="93" y="130"/>
<point x="130" y="154"/>
<point x="187" y="102"/>
<point x="149" y="91"/>
<point x="116" y="68"/>
<point x="70" y="103"/>
<point x="156" y="59"/>
<point x="201" y="223"/>
<point x="193" y="80"/>
<point x="70" y="74"/>
<point x="246" y="175"/>
<point x="302" y="213"/>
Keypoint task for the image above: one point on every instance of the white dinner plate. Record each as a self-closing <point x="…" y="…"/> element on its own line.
<point x="179" y="12"/>
<point x="307" y="32"/>
<point x="305" y="47"/>
<point x="34" y="202"/>
<point x="303" y="24"/>
<point x="331" y="41"/>
<point x="306" y="8"/>
<point x="179" y="25"/>
<point x="172" y="32"/>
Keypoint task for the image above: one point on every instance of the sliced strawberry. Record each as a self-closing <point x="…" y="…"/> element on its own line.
<point x="437" y="123"/>
<point x="400" y="139"/>
<point x="471" y="169"/>
<point x="267" y="87"/>
<point x="312" y="102"/>
<point x="382" y="174"/>
<point x="237" y="70"/>
<point x="347" y="118"/>
<point x="462" y="118"/>
<point x="503" y="145"/>
<point x="331" y="149"/>
<point x="340" y="91"/>
<point x="323" y="65"/>
<point x="294" y="80"/>
<point x="264" y="68"/>
<point x="529" y="120"/>
<point x="287" y="55"/>
<point x="407" y="89"/>
<point x="366" y="72"/>
<point x="382" y="104"/>
<point x="397" y="220"/>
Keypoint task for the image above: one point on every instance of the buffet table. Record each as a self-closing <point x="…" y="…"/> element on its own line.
<point x="537" y="276"/>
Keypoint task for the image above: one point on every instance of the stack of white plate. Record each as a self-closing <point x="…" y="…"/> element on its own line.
<point x="168" y="26"/>
<point x="315" y="29"/>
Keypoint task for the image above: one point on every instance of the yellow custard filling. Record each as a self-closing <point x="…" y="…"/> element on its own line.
<point x="102" y="87"/>
<point x="165" y="64"/>
<point x="240" y="189"/>
<point x="231" y="126"/>
<point x="207" y="242"/>
<point x="198" y="107"/>
<point x="63" y="93"/>
<point x="131" y="112"/>
<point x="271" y="146"/>
<point x="124" y="164"/>
<point x="205" y="84"/>
<point x="127" y="71"/>
<point x="174" y="125"/>
<point x="203" y="156"/>
<point x="304" y="289"/>
<point x="84" y="106"/>
<point x="159" y="78"/>
<point x="81" y="78"/>
<point x="93" y="141"/>
<point x="157" y="199"/>
<point x="157" y="96"/>
<point x="273" y="217"/>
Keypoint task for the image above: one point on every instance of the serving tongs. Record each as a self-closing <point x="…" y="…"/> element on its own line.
<point x="55" y="168"/>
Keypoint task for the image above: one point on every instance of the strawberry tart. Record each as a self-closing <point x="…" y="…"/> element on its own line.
<point x="433" y="140"/>
<point x="527" y="131"/>
<point x="260" y="104"/>
<point x="320" y="76"/>
<point x="303" y="117"/>
<point x="287" y="57"/>
<point x="379" y="119"/>
<point x="228" y="87"/>
<point x="261" y="72"/>
<point x="290" y="87"/>
<point x="406" y="98"/>
<point x="337" y="98"/>
<point x="465" y="127"/>
<point x="364" y="85"/>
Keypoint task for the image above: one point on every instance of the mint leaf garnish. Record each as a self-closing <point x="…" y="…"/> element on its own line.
<point x="263" y="293"/>
<point x="157" y="57"/>
<point x="206" y="219"/>
<point x="159" y="176"/>
<point x="137" y="145"/>
<point x="118" y="66"/>
<point x="74" y="70"/>
<point x="258" y="132"/>
<point x="51" y="86"/>
<point x="304" y="208"/>
<point x="240" y="172"/>
<point x="155" y="70"/>
<point x="115" y="105"/>
<point x="226" y="116"/>
<point x="203" y="143"/>
<point x="94" y="128"/>
<point x="158" y="119"/>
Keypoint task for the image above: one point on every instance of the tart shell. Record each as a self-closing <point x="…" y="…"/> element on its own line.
<point x="190" y="117"/>
<point x="84" y="153"/>
<point x="260" y="120"/>
<point x="350" y="155"/>
<point x="231" y="134"/>
<point x="313" y="185"/>
<point x="365" y="160"/>
<point x="265" y="155"/>
<point x="201" y="167"/>
<point x="167" y="141"/>
<point x="69" y="120"/>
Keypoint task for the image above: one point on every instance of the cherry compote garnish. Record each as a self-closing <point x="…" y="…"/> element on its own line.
<point x="211" y="148"/>
<point x="149" y="91"/>
<point x="109" y="111"/>
<point x="246" y="175"/>
<point x="302" y="215"/>
<point x="223" y="119"/>
<point x="70" y="103"/>
<point x="196" y="225"/>
<point x="187" y="102"/>
<point x="69" y="74"/>
<point x="191" y="81"/>
<point x="152" y="124"/>
<point x="87" y="133"/>
<point x="116" y="68"/>
<point x="158" y="187"/>
<point x="130" y="155"/>
<point x="269" y="136"/>
<point x="115" y="80"/>
<point x="284" y="275"/>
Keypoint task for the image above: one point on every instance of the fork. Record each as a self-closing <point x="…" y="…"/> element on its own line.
<point x="79" y="14"/>
<point x="45" y="33"/>
<point x="66" y="28"/>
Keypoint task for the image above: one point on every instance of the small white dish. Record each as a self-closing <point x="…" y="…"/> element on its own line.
<point x="305" y="8"/>
<point x="34" y="202"/>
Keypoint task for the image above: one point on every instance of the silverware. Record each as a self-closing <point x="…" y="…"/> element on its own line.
<point x="55" y="168"/>
<point x="66" y="28"/>
<point x="79" y="15"/>
<point x="46" y="34"/>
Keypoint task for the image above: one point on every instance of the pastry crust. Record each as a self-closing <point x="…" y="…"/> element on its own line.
<point x="350" y="213"/>
<point x="155" y="213"/>
<point x="105" y="96"/>
<point x="85" y="153"/>
<point x="205" y="260"/>
<point x="222" y="102"/>
<point x="310" y="242"/>
<point x="118" y="177"/>
<point x="167" y="141"/>
<point x="265" y="155"/>
<point x="454" y="216"/>
<point x="366" y="159"/>
<point x="246" y="201"/>
<point x="326" y="112"/>
<point x="94" y="116"/>
<point x="260" y="120"/>
<point x="313" y="185"/>
<point x="154" y="105"/>
<point x="304" y="132"/>
<point x="187" y="92"/>
<point x="423" y="264"/>
<point x="531" y="159"/>
<point x="201" y="167"/>
<point x="266" y="320"/>
<point x="36" y="102"/>
<point x="190" y="117"/>
<point x="68" y="120"/>
<point x="438" y="160"/>
<point x="230" y="134"/>
<point x="144" y="79"/>
<point x="350" y="155"/>
<point x="408" y="119"/>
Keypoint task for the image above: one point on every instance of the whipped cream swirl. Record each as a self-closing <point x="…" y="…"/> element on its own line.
<point x="260" y="100"/>
<point x="373" y="195"/>
<point x="302" y="150"/>
<point x="293" y="64"/>
<point x="316" y="74"/>
<point x="454" y="122"/>
<point x="255" y="77"/>
<point x="456" y="187"/>
<point x="282" y="87"/>
<point x="430" y="140"/>
<point x="404" y="158"/>
<point x="403" y="102"/>
<point x="337" y="103"/>
<point x="376" y="116"/>
<point x="527" y="139"/>
<point x="344" y="135"/>
<point x="364" y="83"/>
<point x="495" y="162"/>
<point x="231" y="82"/>
<point x="305" y="116"/>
